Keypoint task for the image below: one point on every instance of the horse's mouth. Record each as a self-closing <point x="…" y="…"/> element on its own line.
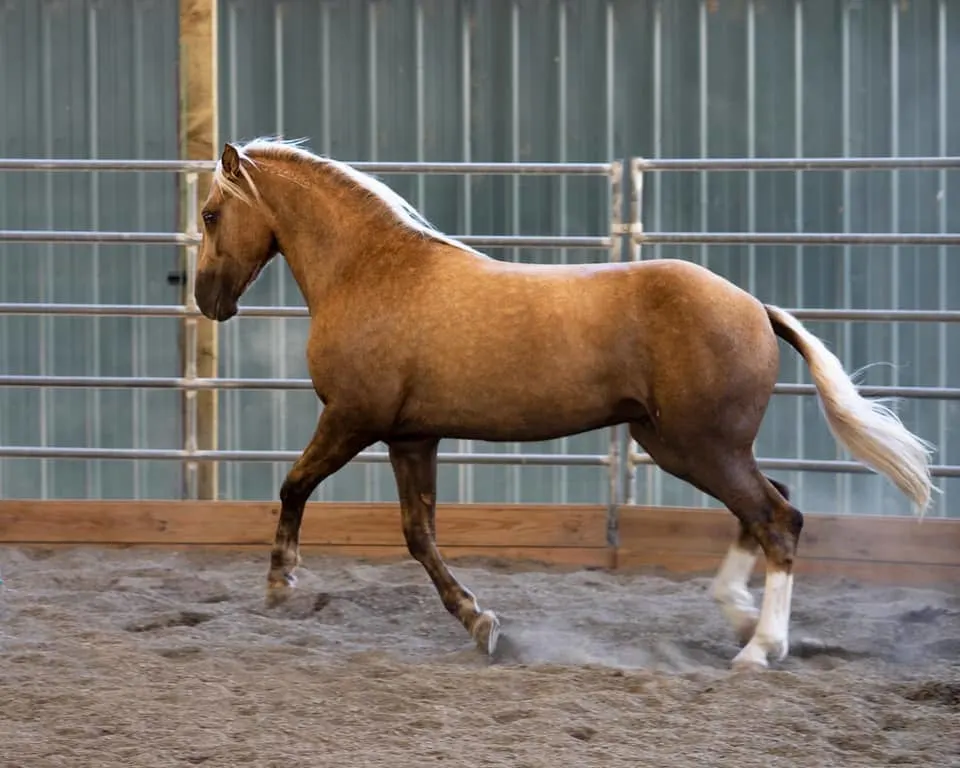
<point x="223" y="310"/>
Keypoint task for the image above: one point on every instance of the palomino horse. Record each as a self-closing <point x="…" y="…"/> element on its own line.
<point x="416" y="337"/>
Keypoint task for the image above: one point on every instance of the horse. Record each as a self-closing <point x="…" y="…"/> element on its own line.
<point x="415" y="337"/>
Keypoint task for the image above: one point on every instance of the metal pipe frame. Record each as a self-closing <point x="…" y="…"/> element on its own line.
<point x="193" y="384"/>
<point x="206" y="166"/>
<point x="366" y="457"/>
<point x="791" y="238"/>
<point x="179" y="311"/>
<point x="177" y="238"/>
<point x="794" y="163"/>
<point x="633" y="231"/>
<point x="189" y="383"/>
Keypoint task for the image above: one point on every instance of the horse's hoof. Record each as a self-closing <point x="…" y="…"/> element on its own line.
<point x="486" y="632"/>
<point x="279" y="589"/>
<point x="752" y="657"/>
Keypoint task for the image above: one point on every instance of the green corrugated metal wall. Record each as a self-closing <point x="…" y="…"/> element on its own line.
<point x="493" y="80"/>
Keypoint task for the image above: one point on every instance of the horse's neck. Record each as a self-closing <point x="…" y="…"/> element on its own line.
<point x="324" y="233"/>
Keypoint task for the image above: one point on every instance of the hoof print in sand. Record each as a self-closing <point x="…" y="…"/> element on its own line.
<point x="179" y="654"/>
<point x="582" y="732"/>
<point x="301" y="605"/>
<point x="934" y="692"/>
<point x="179" y="619"/>
<point x="926" y="615"/>
<point x="511" y="716"/>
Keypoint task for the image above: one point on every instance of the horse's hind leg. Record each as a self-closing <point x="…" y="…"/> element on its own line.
<point x="767" y="520"/>
<point x="415" y="469"/>
<point x="729" y="587"/>
<point x="775" y="524"/>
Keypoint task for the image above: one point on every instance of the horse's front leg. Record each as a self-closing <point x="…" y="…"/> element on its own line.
<point x="334" y="443"/>
<point x="415" y="468"/>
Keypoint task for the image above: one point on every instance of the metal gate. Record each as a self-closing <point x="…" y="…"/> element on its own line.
<point x="629" y="476"/>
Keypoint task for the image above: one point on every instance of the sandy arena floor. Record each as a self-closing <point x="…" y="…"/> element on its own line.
<point x="145" y="658"/>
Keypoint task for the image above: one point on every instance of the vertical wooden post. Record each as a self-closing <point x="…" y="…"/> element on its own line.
<point x="199" y="141"/>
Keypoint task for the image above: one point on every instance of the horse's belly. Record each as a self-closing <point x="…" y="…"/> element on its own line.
<point x="537" y="405"/>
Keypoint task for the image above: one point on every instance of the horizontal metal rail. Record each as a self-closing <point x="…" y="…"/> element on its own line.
<point x="181" y="383"/>
<point x="374" y="457"/>
<point x="520" y="168"/>
<point x="815" y="465"/>
<point x="366" y="457"/>
<point x="793" y="238"/>
<point x="913" y="393"/>
<point x="83" y="236"/>
<point x="178" y="310"/>
<point x="793" y="163"/>
<point x="201" y="166"/>
<point x="177" y="238"/>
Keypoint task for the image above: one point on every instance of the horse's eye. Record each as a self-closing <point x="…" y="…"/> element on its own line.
<point x="209" y="217"/>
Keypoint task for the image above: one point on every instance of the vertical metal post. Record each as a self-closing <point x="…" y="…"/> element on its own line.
<point x="895" y="181"/>
<point x="616" y="433"/>
<point x="637" y="179"/>
<point x="139" y="337"/>
<point x="751" y="142"/>
<point x="324" y="37"/>
<point x="46" y="266"/>
<point x="371" y="471"/>
<point x="278" y="325"/>
<point x="465" y="473"/>
<point x="513" y="485"/>
<point x="846" y="139"/>
<point x="610" y="78"/>
<point x="654" y="490"/>
<point x="94" y="417"/>
<point x="703" y="80"/>
<point x="323" y="492"/>
<point x="636" y="229"/>
<point x="419" y="98"/>
<point x="942" y="272"/>
<point x="704" y="123"/>
<point x="560" y="494"/>
<point x="798" y="271"/>
<point x="233" y="429"/>
<point x="191" y="479"/>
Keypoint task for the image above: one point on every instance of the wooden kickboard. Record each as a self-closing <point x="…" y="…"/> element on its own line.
<point x="324" y="524"/>
<point x="708" y="532"/>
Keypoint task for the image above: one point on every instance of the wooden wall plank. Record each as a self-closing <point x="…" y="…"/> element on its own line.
<point x="248" y="523"/>
<point x="865" y="538"/>
<point x="681" y="541"/>
<point x="706" y="564"/>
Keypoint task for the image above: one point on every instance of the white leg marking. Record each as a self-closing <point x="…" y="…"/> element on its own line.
<point x="729" y="589"/>
<point x="771" y="637"/>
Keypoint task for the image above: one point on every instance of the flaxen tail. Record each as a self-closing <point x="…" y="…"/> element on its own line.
<point x="872" y="433"/>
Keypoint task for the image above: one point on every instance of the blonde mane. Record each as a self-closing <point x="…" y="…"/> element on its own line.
<point x="290" y="150"/>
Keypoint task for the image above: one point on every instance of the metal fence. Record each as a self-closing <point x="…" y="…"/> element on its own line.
<point x="491" y="80"/>
<point x="620" y="467"/>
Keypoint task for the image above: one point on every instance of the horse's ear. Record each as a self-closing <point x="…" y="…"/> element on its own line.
<point x="230" y="160"/>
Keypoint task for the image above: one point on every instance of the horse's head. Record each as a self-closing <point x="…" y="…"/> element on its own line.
<point x="238" y="238"/>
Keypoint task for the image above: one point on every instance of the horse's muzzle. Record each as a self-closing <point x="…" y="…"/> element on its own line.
<point x="213" y="301"/>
